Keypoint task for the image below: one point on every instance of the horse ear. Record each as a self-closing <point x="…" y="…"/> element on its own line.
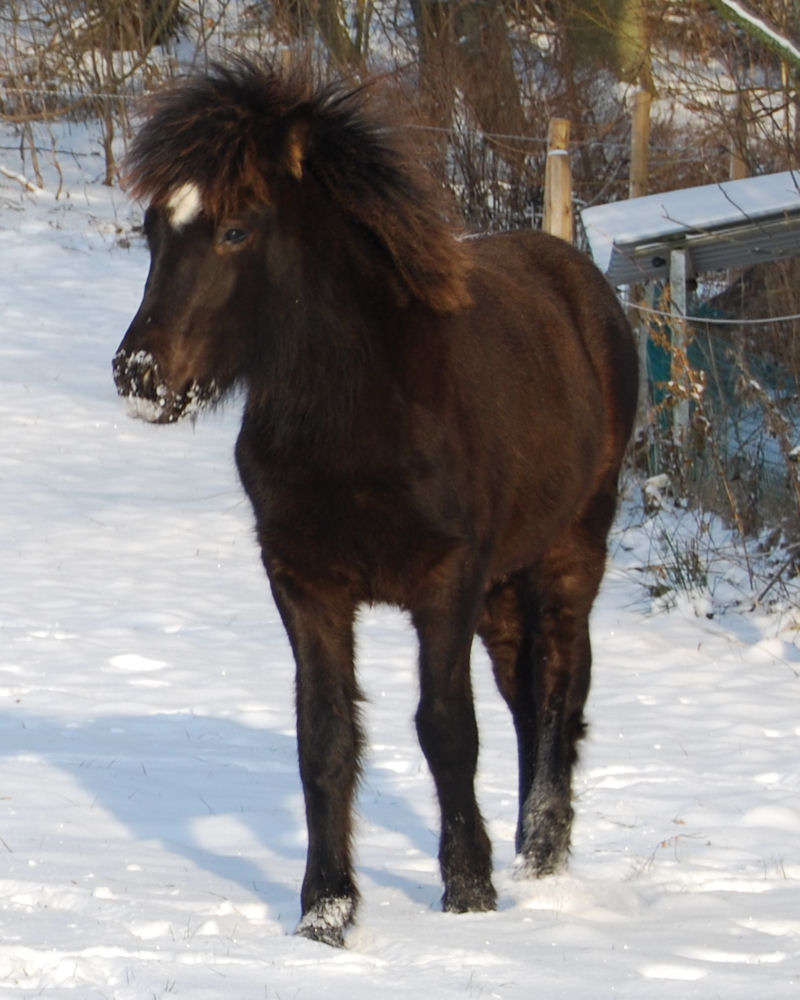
<point x="296" y="143"/>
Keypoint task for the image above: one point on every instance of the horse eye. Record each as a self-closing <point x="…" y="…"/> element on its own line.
<point x="234" y="235"/>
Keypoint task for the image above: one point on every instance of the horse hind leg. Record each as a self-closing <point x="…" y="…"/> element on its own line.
<point x="501" y="627"/>
<point x="562" y="665"/>
<point x="559" y="665"/>
<point x="536" y="631"/>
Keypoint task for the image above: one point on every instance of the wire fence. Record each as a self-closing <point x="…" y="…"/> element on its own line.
<point x="132" y="99"/>
<point x="716" y="320"/>
<point x="737" y="377"/>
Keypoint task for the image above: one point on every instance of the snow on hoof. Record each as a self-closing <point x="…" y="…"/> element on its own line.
<point x="327" y="921"/>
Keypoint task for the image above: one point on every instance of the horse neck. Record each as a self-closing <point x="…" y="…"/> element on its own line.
<point x="322" y="373"/>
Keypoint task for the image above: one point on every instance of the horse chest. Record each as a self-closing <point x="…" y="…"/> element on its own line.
<point x="376" y="540"/>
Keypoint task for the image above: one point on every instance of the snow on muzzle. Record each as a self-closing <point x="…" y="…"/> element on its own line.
<point x="147" y="394"/>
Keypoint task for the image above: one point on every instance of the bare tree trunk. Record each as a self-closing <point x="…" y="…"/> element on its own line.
<point x="137" y="25"/>
<point x="327" y="17"/>
<point x="330" y="20"/>
<point x="464" y="44"/>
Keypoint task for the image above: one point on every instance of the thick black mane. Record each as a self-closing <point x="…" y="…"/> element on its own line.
<point x="241" y="131"/>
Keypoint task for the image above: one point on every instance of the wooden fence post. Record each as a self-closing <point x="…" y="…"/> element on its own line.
<point x="558" y="181"/>
<point x="738" y="165"/>
<point x="640" y="142"/>
<point x="679" y="265"/>
<point x="637" y="186"/>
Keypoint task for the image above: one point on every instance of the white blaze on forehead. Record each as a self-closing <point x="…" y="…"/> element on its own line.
<point x="184" y="205"/>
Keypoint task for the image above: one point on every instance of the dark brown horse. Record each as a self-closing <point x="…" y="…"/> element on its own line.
<point x="429" y="421"/>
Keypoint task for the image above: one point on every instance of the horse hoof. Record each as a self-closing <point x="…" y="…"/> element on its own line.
<point x="473" y="897"/>
<point x="545" y="845"/>
<point x="539" y="864"/>
<point x="327" y="921"/>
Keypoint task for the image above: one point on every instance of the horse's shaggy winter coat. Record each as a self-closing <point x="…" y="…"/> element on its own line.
<point x="429" y="421"/>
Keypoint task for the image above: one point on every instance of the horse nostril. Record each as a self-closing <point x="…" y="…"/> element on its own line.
<point x="136" y="374"/>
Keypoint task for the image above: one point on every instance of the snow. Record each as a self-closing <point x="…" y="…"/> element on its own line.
<point x="152" y="832"/>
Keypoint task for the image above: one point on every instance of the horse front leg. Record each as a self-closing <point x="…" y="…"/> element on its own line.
<point x="448" y="735"/>
<point x="329" y="749"/>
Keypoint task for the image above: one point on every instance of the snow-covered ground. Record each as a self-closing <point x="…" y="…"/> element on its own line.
<point x="151" y="823"/>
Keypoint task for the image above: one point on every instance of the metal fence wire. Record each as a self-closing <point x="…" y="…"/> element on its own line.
<point x="741" y="455"/>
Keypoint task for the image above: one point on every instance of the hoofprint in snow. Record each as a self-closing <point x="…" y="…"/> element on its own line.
<point x="152" y="832"/>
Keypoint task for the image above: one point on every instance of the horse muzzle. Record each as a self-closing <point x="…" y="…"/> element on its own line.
<point x="149" y="396"/>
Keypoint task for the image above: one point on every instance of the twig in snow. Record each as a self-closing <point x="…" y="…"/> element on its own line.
<point x="20" y="179"/>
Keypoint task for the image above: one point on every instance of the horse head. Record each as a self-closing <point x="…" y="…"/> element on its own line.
<point x="257" y="187"/>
